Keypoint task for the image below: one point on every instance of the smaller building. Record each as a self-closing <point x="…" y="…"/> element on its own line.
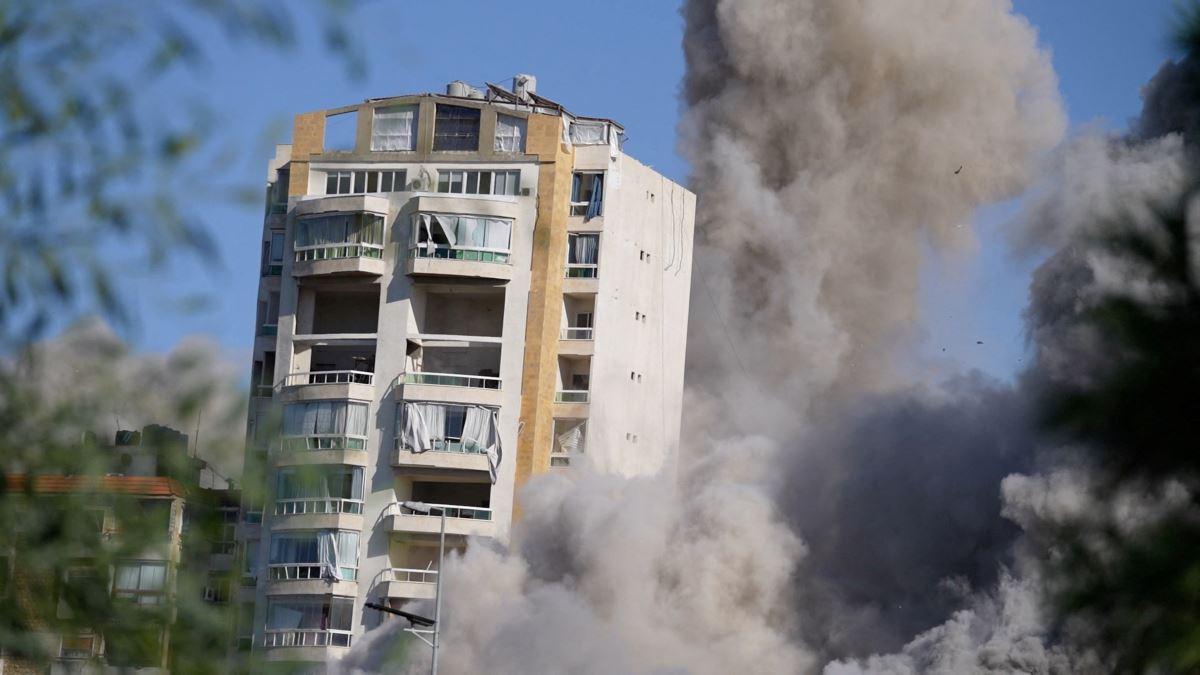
<point x="113" y="564"/>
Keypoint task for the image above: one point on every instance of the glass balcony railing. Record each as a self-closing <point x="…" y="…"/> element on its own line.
<point x="338" y="252"/>
<point x="571" y="396"/>
<point x="575" y="333"/>
<point x="450" y="445"/>
<point x="329" y="377"/>
<point x="459" y="253"/>
<point x="324" y="442"/>
<point x="451" y="380"/>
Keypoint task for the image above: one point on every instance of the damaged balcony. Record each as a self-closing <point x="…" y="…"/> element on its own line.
<point x="570" y="436"/>
<point x="466" y="506"/>
<point x="446" y="436"/>
<point x="330" y="371"/>
<point x="334" y="351"/>
<point x="339" y="244"/>
<point x="446" y="244"/>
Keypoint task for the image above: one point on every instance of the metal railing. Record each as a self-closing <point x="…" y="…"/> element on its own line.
<point x="582" y="271"/>
<point x="324" y="442"/>
<point x="338" y="252"/>
<point x="306" y="572"/>
<point x="452" y="511"/>
<point x="309" y="637"/>
<point x="465" y="253"/>
<point x="576" y="333"/>
<point x="450" y="444"/>
<point x="451" y="380"/>
<point x="299" y="507"/>
<point x="329" y="377"/>
<point x="571" y="396"/>
<point x="408" y="575"/>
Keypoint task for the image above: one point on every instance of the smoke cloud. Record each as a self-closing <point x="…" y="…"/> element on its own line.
<point x="829" y="515"/>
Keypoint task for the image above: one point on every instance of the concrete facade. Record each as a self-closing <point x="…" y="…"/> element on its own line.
<point x="435" y="318"/>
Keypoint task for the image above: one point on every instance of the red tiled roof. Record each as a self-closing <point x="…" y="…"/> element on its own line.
<point x="149" y="486"/>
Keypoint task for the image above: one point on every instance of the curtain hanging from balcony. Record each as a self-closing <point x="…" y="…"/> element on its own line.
<point x="583" y="249"/>
<point x="595" y="203"/>
<point x="570" y="440"/>
<point x="481" y="432"/>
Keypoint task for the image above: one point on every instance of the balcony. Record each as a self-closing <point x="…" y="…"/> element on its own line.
<point x="576" y="341"/>
<point x="452" y="369"/>
<point x="462" y="521"/>
<point x="461" y="245"/>
<point x="406" y="583"/>
<point x="569" y="440"/>
<point x="300" y="507"/>
<point x="339" y="244"/>
<point x="311" y="637"/>
<point x="327" y="384"/>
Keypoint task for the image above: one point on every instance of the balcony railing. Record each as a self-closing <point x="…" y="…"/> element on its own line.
<point x="451" y="445"/>
<point x="312" y="637"/>
<point x="408" y="575"/>
<point x="574" y="333"/>
<point x="582" y="271"/>
<point x="306" y="572"/>
<point x="452" y="511"/>
<point x="451" y="380"/>
<point x="299" y="507"/>
<point x="324" y="442"/>
<point x="272" y="270"/>
<point x="263" y="390"/>
<point x="560" y="460"/>
<point x="329" y="377"/>
<point x="571" y="396"/>
<point x="465" y="253"/>
<point x="268" y="329"/>
<point x="338" y="252"/>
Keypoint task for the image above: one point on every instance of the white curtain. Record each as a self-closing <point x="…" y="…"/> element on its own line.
<point x="499" y="234"/>
<point x="510" y="134"/>
<point x="356" y="419"/>
<point x="449" y="226"/>
<point x="472" y="232"/>
<point x="588" y="133"/>
<point x="327" y="554"/>
<point x="481" y="431"/>
<point x="347" y="554"/>
<point x="424" y="426"/>
<point x="583" y="249"/>
<point x="394" y="128"/>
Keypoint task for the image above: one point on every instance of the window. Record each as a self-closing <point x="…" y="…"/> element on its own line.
<point x="589" y="133"/>
<point x="250" y="561"/>
<point x="510" y="133"/>
<point x="343" y="182"/>
<point x="82" y="646"/>
<point x="437" y="235"/>
<point x="314" y="555"/>
<point x="314" y="621"/>
<point x="583" y="255"/>
<point x="226" y="542"/>
<point x="322" y="425"/>
<point x="479" y="182"/>
<point x="143" y="583"/>
<point x="318" y="489"/>
<point x="394" y="128"/>
<point x="441" y="427"/>
<point x="343" y="235"/>
<point x="583" y="320"/>
<point x="340" y="131"/>
<point x="279" y="189"/>
<point x="272" y="262"/>
<point x="587" y="194"/>
<point x="456" y="128"/>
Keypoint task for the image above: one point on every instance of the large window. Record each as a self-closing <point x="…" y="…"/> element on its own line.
<point x="394" y="128"/>
<point x="319" y="489"/>
<point x="342" y="235"/>
<point x="479" y="182"/>
<point x="324" y="425"/>
<point x="587" y="194"/>
<point x="141" y="582"/>
<point x="443" y="427"/>
<point x="309" y="621"/>
<point x="272" y="256"/>
<point x="456" y="128"/>
<point x="437" y="235"/>
<point x="345" y="182"/>
<point x="589" y="132"/>
<point x="510" y="133"/>
<point x="323" y="554"/>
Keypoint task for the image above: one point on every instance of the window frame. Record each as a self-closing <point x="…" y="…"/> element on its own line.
<point x="138" y="593"/>
<point x="451" y="132"/>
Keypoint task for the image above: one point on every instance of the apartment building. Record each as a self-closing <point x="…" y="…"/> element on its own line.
<point x="151" y="536"/>
<point x="458" y="292"/>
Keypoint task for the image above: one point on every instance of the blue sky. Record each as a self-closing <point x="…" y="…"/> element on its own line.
<point x="1102" y="55"/>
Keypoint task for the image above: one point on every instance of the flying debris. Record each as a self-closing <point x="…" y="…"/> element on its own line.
<point x="958" y="171"/>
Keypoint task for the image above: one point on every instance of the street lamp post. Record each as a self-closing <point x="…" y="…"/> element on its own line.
<point x="422" y="507"/>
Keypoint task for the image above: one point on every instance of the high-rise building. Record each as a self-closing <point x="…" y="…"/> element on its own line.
<point x="458" y="292"/>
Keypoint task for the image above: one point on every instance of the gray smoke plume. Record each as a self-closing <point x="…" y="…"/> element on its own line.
<point x="194" y="388"/>
<point x="830" y="141"/>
